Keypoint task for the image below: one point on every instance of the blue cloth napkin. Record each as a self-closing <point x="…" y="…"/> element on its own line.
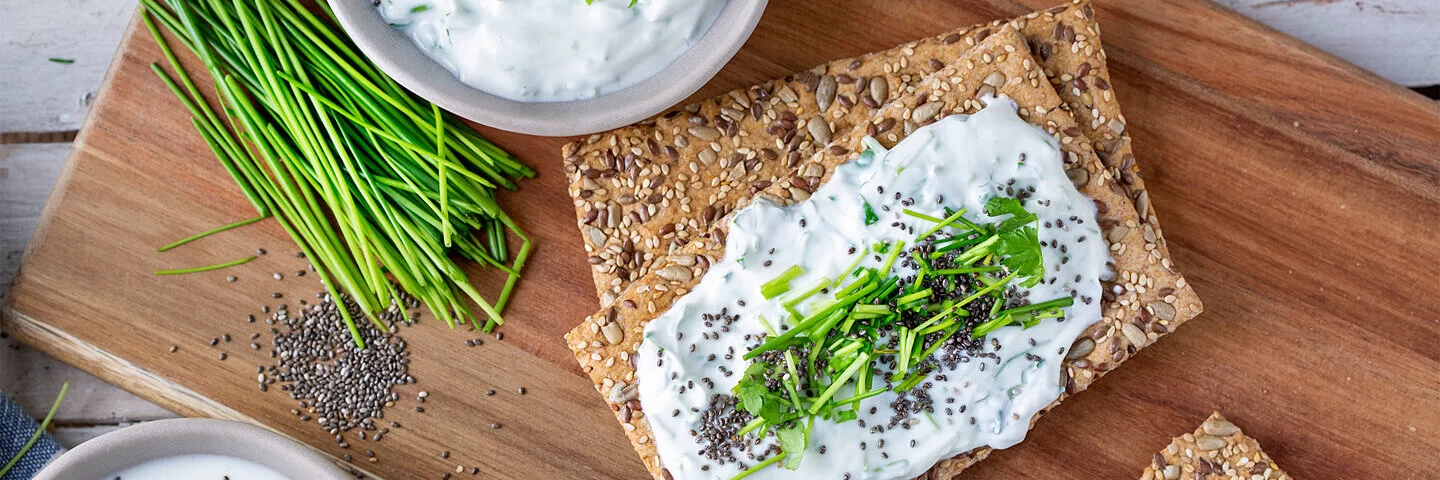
<point x="16" y="427"/>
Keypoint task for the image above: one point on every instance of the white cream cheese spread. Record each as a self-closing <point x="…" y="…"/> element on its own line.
<point x="552" y="50"/>
<point x="983" y="392"/>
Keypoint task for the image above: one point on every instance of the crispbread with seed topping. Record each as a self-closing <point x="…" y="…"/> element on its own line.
<point x="643" y="191"/>
<point x="1145" y="300"/>
<point x="1217" y="448"/>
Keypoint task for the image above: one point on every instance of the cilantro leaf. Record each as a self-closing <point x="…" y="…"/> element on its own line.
<point x="792" y="442"/>
<point x="1020" y="252"/>
<point x="751" y="392"/>
<point x="1018" y="244"/>
<point x="870" y="216"/>
<point x="1019" y="217"/>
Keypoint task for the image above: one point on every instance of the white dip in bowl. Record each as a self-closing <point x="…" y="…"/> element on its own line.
<point x="552" y="50"/>
<point x="198" y="466"/>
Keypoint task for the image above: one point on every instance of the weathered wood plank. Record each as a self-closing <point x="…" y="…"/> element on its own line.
<point x="1396" y="39"/>
<point x="41" y="95"/>
<point x="33" y="379"/>
<point x="27" y="174"/>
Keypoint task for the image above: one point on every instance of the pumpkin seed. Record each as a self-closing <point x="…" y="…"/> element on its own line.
<point x="825" y="92"/>
<point x="880" y="90"/>
<point x="1080" y="348"/>
<point x="1163" y="310"/>
<point x="1078" y="176"/>
<point x="819" y="130"/>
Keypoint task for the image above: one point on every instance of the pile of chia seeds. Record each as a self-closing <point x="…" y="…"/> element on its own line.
<point x="338" y="385"/>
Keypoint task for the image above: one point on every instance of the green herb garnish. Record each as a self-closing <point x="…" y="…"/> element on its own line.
<point x="65" y="61"/>
<point x="780" y="284"/>
<point x="872" y="317"/>
<point x="206" y="268"/>
<point x="40" y="430"/>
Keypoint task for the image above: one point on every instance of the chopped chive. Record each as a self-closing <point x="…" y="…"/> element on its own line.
<point x="39" y="430"/>
<point x="1056" y="303"/>
<point x="211" y="232"/>
<point x="853" y="265"/>
<point x="844" y="378"/>
<point x="206" y="268"/>
<point x="822" y="284"/>
<point x="781" y="283"/>
<point x="957" y="216"/>
<point x="890" y="260"/>
<point x="65" y="61"/>
<point x="913" y="297"/>
<point x="985" y="328"/>
<point x="958" y="271"/>
<point x="759" y="466"/>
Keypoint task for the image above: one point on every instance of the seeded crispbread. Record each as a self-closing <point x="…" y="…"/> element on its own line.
<point x="1145" y="300"/>
<point x="643" y="191"/>
<point x="1217" y="448"/>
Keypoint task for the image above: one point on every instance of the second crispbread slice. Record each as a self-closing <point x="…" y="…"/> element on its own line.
<point x="643" y="191"/>
<point x="1144" y="301"/>
<point x="1217" y="448"/>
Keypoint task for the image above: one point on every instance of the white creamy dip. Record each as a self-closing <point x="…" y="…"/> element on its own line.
<point x="552" y="50"/>
<point x="197" y="467"/>
<point x="988" y="400"/>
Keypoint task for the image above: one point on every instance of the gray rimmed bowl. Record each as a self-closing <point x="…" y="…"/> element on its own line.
<point x="136" y="444"/>
<point x="401" y="59"/>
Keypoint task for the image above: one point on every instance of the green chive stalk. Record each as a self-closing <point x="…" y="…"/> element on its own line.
<point x="377" y="187"/>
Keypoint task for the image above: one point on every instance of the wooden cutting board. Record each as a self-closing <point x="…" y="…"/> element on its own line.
<point x="1299" y="194"/>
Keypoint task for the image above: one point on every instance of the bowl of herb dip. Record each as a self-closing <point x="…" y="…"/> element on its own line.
<point x="551" y="67"/>
<point x="192" y="448"/>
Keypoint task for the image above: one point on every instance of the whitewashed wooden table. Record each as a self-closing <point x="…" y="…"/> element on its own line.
<point x="43" y="102"/>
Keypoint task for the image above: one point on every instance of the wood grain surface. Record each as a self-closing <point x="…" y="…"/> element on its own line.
<point x="1299" y="194"/>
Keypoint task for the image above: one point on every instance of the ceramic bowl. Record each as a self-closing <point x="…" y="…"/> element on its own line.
<point x="397" y="56"/>
<point x="136" y="444"/>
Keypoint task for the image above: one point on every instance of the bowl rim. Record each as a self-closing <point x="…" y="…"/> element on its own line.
<point x="398" y="57"/>
<point x="109" y="453"/>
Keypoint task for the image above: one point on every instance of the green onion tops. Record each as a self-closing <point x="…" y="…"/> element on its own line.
<point x="377" y="187"/>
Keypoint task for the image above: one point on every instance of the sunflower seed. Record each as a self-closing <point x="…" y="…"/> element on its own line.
<point x="925" y="112"/>
<point x="675" y="273"/>
<point x="1207" y="443"/>
<point x="1219" y="427"/>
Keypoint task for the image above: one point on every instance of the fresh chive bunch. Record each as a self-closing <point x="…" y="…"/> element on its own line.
<point x="965" y="276"/>
<point x="375" y="185"/>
